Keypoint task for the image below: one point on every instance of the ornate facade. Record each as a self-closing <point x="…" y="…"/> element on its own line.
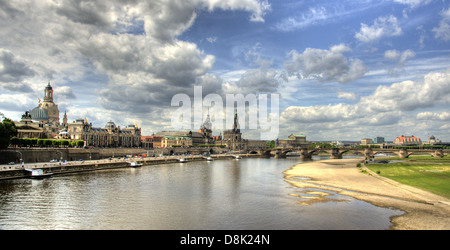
<point x="43" y="122"/>
<point x="293" y="141"/>
<point x="109" y="136"/>
<point x="407" y="140"/>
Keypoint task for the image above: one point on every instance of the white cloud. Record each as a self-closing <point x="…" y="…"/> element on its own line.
<point x="211" y="39"/>
<point x="400" y="59"/>
<point x="382" y="27"/>
<point x="325" y="65"/>
<point x="413" y="3"/>
<point x="346" y="95"/>
<point x="410" y="95"/>
<point x="442" y="116"/>
<point x="443" y="31"/>
<point x="386" y="106"/>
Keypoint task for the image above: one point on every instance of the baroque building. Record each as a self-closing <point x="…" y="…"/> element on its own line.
<point x="293" y="141"/>
<point x="108" y="136"/>
<point x="43" y="122"/>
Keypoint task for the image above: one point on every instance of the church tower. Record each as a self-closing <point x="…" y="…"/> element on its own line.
<point x="48" y="93"/>
<point x="50" y="106"/>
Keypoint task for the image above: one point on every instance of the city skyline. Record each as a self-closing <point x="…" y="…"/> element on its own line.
<point x="344" y="70"/>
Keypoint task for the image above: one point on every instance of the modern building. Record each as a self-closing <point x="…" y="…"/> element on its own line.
<point x="407" y="140"/>
<point x="378" y="140"/>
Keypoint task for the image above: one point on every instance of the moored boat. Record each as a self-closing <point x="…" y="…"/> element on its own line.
<point x="135" y="164"/>
<point x="38" y="173"/>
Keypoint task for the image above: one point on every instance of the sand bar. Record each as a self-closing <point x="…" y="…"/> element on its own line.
<point x="423" y="210"/>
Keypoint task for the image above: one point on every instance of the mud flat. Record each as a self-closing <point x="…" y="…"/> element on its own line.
<point x="423" y="210"/>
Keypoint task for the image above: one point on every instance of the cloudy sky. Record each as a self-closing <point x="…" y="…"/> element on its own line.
<point x="345" y="70"/>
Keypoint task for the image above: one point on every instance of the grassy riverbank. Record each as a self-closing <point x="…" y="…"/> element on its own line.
<point x="424" y="172"/>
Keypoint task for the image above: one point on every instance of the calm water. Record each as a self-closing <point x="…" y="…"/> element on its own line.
<point x="223" y="194"/>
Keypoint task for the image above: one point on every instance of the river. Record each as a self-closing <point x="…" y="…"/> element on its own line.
<point x="248" y="194"/>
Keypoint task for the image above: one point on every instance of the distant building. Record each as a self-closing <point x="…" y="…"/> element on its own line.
<point x="407" y="140"/>
<point x="366" y="141"/>
<point x="378" y="140"/>
<point x="41" y="122"/>
<point x="232" y="138"/>
<point x="293" y="141"/>
<point x="151" y="141"/>
<point x="109" y="136"/>
<point x="433" y="140"/>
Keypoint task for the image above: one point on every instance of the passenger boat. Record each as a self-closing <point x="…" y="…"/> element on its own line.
<point x="37" y="173"/>
<point x="135" y="164"/>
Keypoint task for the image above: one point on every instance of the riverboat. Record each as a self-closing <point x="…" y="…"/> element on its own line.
<point x="135" y="164"/>
<point x="38" y="173"/>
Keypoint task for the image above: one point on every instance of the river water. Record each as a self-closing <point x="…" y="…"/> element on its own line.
<point x="222" y="194"/>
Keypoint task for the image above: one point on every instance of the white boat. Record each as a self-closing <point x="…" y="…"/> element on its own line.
<point x="209" y="158"/>
<point x="237" y="157"/>
<point x="135" y="164"/>
<point x="38" y="173"/>
<point x="182" y="160"/>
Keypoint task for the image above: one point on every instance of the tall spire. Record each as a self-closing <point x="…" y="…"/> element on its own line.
<point x="236" y="123"/>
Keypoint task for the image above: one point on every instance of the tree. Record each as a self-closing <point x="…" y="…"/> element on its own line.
<point x="8" y="130"/>
<point x="270" y="144"/>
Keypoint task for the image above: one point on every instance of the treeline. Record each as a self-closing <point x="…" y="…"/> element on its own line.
<point x="33" y="142"/>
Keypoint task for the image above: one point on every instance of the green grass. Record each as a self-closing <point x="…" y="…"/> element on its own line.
<point x="424" y="172"/>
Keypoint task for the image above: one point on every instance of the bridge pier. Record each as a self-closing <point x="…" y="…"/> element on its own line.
<point x="335" y="154"/>
<point x="264" y="153"/>
<point x="280" y="154"/>
<point x="438" y="153"/>
<point x="368" y="153"/>
<point x="305" y="155"/>
<point x="403" y="153"/>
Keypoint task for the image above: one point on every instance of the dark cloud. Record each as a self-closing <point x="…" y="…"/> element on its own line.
<point x="12" y="69"/>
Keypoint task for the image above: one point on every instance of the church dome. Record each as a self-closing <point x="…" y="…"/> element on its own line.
<point x="39" y="114"/>
<point x="110" y="125"/>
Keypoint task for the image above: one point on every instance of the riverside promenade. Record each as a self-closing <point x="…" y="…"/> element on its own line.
<point x="423" y="210"/>
<point x="17" y="171"/>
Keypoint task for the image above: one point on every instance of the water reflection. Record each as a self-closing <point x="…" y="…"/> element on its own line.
<point x="223" y="194"/>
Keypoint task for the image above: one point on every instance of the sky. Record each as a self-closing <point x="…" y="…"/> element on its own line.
<point x="344" y="70"/>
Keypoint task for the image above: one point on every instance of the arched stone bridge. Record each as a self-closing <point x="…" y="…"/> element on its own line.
<point x="336" y="153"/>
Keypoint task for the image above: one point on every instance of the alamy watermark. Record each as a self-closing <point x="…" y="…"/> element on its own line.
<point x="254" y="116"/>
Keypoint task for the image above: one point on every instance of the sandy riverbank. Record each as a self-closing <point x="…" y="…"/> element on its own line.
<point x="423" y="210"/>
